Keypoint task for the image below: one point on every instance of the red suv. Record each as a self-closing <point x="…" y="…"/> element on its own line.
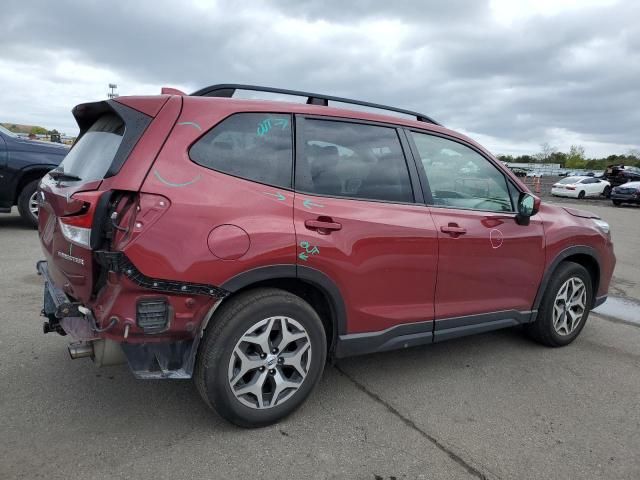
<point x="244" y="242"/>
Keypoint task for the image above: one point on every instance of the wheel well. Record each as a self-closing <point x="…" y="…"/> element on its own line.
<point x="310" y="293"/>
<point x="28" y="177"/>
<point x="591" y="264"/>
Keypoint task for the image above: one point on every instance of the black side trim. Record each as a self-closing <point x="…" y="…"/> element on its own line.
<point x="119" y="263"/>
<point x="300" y="272"/>
<point x="259" y="274"/>
<point x="421" y="333"/>
<point x="599" y="301"/>
<point x="400" y="336"/>
<point x="322" y="281"/>
<point x="448" y="328"/>
<point x="567" y="252"/>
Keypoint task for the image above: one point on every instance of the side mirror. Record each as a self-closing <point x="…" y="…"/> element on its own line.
<point x="528" y="206"/>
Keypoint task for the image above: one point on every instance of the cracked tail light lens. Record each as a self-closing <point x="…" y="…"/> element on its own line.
<point x="78" y="235"/>
<point x="76" y="228"/>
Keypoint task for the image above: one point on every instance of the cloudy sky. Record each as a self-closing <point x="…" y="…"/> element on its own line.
<point x="510" y="73"/>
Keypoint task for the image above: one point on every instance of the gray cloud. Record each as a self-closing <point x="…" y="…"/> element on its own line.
<point x="572" y="72"/>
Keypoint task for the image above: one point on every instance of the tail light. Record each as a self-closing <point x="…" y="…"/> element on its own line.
<point x="570" y="188"/>
<point x="76" y="228"/>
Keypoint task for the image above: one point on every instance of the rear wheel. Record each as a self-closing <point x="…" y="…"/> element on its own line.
<point x="617" y="203"/>
<point x="607" y="191"/>
<point x="28" y="203"/>
<point x="581" y="194"/>
<point x="564" y="307"/>
<point x="261" y="357"/>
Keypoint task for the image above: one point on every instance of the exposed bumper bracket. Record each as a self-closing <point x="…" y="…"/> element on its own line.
<point x="119" y="263"/>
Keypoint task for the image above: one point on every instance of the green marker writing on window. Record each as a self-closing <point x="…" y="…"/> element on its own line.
<point x="265" y="125"/>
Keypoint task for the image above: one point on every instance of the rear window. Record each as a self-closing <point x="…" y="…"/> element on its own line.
<point x="253" y="146"/>
<point x="568" y="180"/>
<point x="92" y="155"/>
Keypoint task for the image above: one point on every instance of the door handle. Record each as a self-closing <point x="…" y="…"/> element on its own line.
<point x="322" y="225"/>
<point x="453" y="229"/>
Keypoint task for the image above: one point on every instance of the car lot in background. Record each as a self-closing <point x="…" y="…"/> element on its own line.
<point x="519" y="172"/>
<point x="620" y="174"/>
<point x="626" y="193"/>
<point x="580" y="187"/>
<point x="23" y="163"/>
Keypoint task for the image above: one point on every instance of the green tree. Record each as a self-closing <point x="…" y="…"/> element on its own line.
<point x="38" y="131"/>
<point x="576" y="158"/>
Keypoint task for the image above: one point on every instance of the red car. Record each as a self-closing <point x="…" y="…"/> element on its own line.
<point x="242" y="243"/>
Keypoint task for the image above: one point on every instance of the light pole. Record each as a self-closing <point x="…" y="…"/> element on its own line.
<point x="113" y="93"/>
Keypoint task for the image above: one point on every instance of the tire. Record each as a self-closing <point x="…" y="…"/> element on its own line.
<point x="606" y="192"/>
<point x="581" y="195"/>
<point x="543" y="329"/>
<point x="617" y="203"/>
<point x="219" y="363"/>
<point x="25" y="200"/>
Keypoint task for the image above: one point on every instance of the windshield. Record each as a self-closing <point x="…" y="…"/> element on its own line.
<point x="92" y="155"/>
<point x="8" y="133"/>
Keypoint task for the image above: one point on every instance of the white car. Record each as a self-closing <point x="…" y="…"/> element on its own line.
<point x="580" y="187"/>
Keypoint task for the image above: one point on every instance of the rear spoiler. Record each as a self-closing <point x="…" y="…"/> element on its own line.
<point x="172" y="91"/>
<point x="135" y="121"/>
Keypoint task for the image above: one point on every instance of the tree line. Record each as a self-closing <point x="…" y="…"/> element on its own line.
<point x="574" y="158"/>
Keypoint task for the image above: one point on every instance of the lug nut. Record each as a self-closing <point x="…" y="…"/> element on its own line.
<point x="262" y="369"/>
<point x="272" y="371"/>
<point x="263" y="355"/>
<point x="275" y="350"/>
<point x="281" y="360"/>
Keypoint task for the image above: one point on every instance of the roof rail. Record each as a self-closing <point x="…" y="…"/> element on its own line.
<point x="228" y="89"/>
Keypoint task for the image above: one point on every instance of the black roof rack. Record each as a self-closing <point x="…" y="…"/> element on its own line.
<point x="228" y="89"/>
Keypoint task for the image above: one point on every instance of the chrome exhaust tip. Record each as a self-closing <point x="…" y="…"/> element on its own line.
<point x="80" y="350"/>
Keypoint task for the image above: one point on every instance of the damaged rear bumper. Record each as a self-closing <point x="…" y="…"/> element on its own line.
<point x="148" y="357"/>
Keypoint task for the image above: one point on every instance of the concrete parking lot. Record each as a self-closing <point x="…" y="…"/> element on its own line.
<point x="489" y="406"/>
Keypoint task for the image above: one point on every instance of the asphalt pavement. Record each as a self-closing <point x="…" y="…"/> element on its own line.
<point x="489" y="406"/>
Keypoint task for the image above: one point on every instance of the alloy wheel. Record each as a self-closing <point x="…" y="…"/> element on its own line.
<point x="33" y="204"/>
<point x="569" y="306"/>
<point x="270" y="362"/>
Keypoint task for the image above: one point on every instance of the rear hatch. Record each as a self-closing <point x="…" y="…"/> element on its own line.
<point x="78" y="199"/>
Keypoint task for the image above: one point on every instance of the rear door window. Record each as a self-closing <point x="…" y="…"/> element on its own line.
<point x="344" y="159"/>
<point x="253" y="146"/>
<point x="93" y="154"/>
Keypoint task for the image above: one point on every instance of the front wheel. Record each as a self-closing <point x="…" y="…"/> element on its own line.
<point x="617" y="203"/>
<point x="261" y="357"/>
<point x="564" y="307"/>
<point x="28" y="203"/>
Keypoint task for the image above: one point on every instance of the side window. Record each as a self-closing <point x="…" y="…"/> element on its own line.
<point x="343" y="159"/>
<point x="459" y="177"/>
<point x="514" y="193"/>
<point x="254" y="146"/>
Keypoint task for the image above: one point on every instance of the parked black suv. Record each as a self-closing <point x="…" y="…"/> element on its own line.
<point x="619" y="174"/>
<point x="23" y="163"/>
